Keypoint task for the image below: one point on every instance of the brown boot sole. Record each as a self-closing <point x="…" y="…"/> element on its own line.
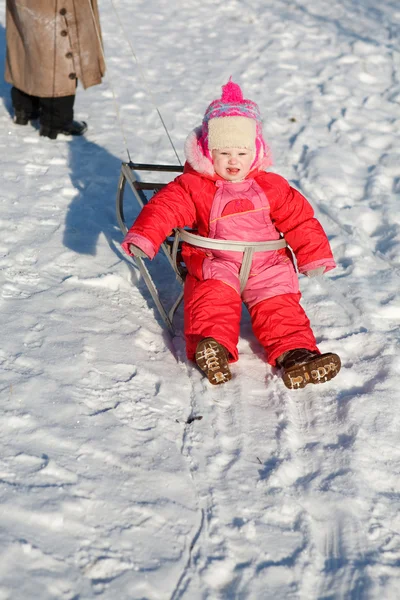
<point x="212" y="360"/>
<point x="323" y="368"/>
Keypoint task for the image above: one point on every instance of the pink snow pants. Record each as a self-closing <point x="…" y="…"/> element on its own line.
<point x="213" y="309"/>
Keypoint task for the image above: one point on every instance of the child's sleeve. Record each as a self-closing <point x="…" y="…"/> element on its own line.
<point x="171" y="207"/>
<point x="293" y="215"/>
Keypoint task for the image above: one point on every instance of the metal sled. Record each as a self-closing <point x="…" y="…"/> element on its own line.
<point x="171" y="247"/>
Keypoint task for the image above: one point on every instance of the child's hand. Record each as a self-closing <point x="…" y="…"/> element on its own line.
<point x="136" y="251"/>
<point x="315" y="272"/>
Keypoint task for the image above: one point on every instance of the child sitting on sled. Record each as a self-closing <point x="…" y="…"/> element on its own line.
<point x="225" y="193"/>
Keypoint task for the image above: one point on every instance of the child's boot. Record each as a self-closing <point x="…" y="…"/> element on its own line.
<point x="212" y="358"/>
<point x="301" y="366"/>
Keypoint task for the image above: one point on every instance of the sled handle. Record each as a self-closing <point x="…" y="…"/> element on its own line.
<point x="235" y="245"/>
<point x="248" y="249"/>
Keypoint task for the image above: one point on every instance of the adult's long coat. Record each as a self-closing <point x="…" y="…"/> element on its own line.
<point x="50" y="44"/>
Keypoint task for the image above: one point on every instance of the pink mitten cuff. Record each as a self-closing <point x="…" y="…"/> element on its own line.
<point x="327" y="263"/>
<point x="140" y="241"/>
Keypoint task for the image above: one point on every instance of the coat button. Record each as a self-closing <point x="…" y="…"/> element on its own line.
<point x="63" y="11"/>
<point x="72" y="75"/>
<point x="64" y="33"/>
<point x="69" y="55"/>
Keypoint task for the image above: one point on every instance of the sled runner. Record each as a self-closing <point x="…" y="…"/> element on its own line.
<point x="130" y="173"/>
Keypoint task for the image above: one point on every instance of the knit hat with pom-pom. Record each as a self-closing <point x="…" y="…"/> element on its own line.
<point x="232" y="122"/>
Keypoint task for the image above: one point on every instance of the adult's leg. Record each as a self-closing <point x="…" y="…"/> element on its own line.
<point x="57" y="117"/>
<point x="26" y="107"/>
<point x="212" y="309"/>
<point x="55" y="113"/>
<point x="281" y="324"/>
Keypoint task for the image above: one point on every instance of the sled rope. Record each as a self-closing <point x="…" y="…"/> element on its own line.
<point x="141" y="75"/>
<point x="145" y="82"/>
<point x="116" y="107"/>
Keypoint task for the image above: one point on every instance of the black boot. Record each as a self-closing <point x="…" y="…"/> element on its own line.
<point x="301" y="366"/>
<point x="21" y="117"/>
<point x="71" y="128"/>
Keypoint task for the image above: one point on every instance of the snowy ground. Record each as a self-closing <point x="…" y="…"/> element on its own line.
<point x="110" y="486"/>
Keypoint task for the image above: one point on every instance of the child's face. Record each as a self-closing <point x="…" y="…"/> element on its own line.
<point x="232" y="164"/>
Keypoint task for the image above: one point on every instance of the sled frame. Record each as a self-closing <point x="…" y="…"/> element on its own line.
<point x="171" y="247"/>
<point x="138" y="187"/>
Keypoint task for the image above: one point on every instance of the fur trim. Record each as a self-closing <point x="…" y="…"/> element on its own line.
<point x="265" y="161"/>
<point x="194" y="154"/>
<point x="203" y="165"/>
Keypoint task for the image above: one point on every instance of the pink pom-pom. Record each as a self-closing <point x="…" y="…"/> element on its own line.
<point x="231" y="92"/>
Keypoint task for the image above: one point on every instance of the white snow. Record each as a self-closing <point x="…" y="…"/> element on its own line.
<point x="105" y="489"/>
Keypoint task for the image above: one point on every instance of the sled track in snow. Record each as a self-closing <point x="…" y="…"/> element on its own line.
<point x="265" y="463"/>
<point x="238" y="495"/>
<point x="211" y="454"/>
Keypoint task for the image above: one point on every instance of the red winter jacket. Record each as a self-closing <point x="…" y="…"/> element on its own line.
<point x="187" y="201"/>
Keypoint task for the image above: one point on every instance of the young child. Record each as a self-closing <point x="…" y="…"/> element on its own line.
<point x="225" y="193"/>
